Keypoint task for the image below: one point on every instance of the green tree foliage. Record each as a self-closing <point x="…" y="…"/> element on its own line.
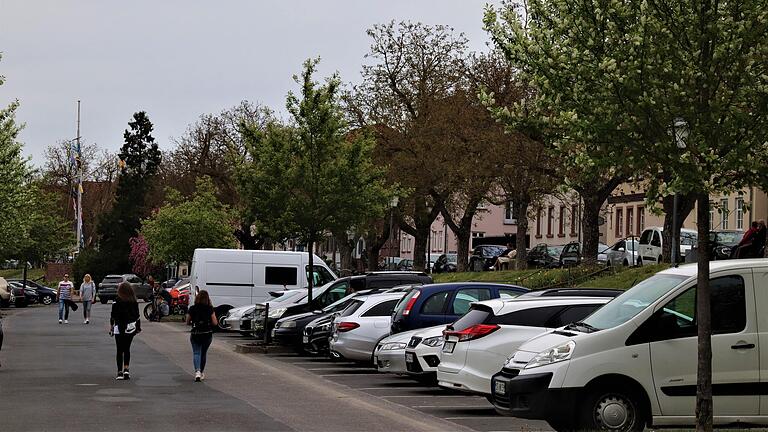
<point x="314" y="175"/>
<point x="183" y="225"/>
<point x="140" y="159"/>
<point x="44" y="232"/>
<point x="612" y="78"/>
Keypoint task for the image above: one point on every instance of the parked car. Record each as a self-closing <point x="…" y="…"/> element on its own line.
<point x="405" y="265"/>
<point x="483" y="257"/>
<point x="422" y="355"/>
<point x="651" y="241"/>
<point x="5" y="293"/>
<point x="240" y="319"/>
<point x="443" y="303"/>
<point x="722" y="244"/>
<point x="632" y="363"/>
<point x="481" y="340"/>
<point x="21" y="296"/>
<point x="45" y="295"/>
<point x="624" y="253"/>
<point x="107" y="289"/>
<point x="446" y="263"/>
<point x="360" y="327"/>
<point x="290" y="329"/>
<point x="545" y="256"/>
<point x="389" y="356"/>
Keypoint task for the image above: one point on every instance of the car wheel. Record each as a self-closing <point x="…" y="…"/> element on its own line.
<point x="103" y="300"/>
<point x="658" y="260"/>
<point x="614" y="410"/>
<point x="47" y="300"/>
<point x="625" y="263"/>
<point x="477" y="266"/>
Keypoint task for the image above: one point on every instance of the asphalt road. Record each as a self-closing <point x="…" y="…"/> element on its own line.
<point x="62" y="378"/>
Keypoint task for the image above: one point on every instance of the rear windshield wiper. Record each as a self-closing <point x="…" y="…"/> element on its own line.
<point x="582" y="326"/>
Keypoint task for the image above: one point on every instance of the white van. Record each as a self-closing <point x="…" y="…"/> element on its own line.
<point x="651" y="241"/>
<point x="633" y="362"/>
<point x="236" y="277"/>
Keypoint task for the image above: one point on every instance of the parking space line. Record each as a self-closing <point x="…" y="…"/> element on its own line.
<point x="351" y="375"/>
<point x="450" y="406"/>
<point x="434" y="396"/>
<point x="473" y="418"/>
<point x="341" y="368"/>
<point x="394" y="388"/>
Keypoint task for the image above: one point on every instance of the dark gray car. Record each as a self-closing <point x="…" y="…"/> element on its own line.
<point x="107" y="289"/>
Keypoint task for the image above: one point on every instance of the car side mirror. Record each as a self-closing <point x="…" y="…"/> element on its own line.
<point x="621" y="249"/>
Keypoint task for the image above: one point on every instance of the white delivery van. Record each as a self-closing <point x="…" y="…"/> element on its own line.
<point x="633" y="362"/>
<point x="236" y="277"/>
<point x="652" y="239"/>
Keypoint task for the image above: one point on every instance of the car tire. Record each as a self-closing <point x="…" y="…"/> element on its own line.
<point x="103" y="300"/>
<point x="625" y="263"/>
<point x="619" y="410"/>
<point x="476" y="266"/>
<point x="5" y="303"/>
<point x="658" y="260"/>
<point x="46" y="300"/>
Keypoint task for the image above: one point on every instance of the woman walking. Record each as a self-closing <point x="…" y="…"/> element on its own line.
<point x="202" y="318"/>
<point x="64" y="294"/>
<point x="87" y="295"/>
<point x="125" y="324"/>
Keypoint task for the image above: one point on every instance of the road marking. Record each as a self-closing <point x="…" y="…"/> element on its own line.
<point x="436" y="396"/>
<point x="396" y="388"/>
<point x="86" y="385"/>
<point x="351" y="375"/>
<point x="339" y="368"/>
<point x="473" y="417"/>
<point x="450" y="406"/>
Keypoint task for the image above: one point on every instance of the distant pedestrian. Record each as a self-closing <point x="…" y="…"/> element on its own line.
<point x="202" y="318"/>
<point x="64" y="294"/>
<point x="87" y="295"/>
<point x="125" y="324"/>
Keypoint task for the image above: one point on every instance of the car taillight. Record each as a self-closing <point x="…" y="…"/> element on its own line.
<point x="346" y="326"/>
<point x="411" y="302"/>
<point x="475" y="332"/>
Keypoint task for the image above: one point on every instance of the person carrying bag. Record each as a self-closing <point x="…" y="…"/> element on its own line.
<point x="202" y="318"/>
<point x="124" y="325"/>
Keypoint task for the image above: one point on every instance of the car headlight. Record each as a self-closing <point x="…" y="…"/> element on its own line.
<point x="433" y="341"/>
<point x="553" y="355"/>
<point x="248" y="316"/>
<point x="393" y="346"/>
<point x="287" y="324"/>
<point x="277" y="313"/>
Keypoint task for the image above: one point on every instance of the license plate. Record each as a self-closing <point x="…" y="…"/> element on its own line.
<point x="305" y="339"/>
<point x="410" y="358"/>
<point x="500" y="387"/>
<point x="448" y="347"/>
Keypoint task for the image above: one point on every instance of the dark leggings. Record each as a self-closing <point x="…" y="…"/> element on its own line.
<point x="123" y="343"/>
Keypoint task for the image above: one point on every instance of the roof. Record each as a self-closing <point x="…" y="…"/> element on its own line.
<point x="393" y="272"/>
<point x="503" y="307"/>
<point x="691" y="270"/>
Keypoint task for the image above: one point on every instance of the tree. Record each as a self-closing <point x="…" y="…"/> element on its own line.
<point x="315" y="175"/>
<point x="415" y="68"/>
<point x="668" y="86"/>
<point x="139" y="160"/>
<point x="182" y="225"/>
<point x="44" y="232"/>
<point x="139" y="256"/>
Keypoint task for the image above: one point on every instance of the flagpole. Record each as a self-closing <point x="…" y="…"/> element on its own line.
<point x="80" y="185"/>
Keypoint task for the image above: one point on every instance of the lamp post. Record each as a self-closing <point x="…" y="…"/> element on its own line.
<point x="680" y="131"/>
<point x="391" y="258"/>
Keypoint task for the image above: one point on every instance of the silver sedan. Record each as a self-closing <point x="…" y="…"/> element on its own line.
<point x="360" y="327"/>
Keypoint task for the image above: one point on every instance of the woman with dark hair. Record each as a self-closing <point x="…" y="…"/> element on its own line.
<point x="202" y="318"/>
<point x="125" y="324"/>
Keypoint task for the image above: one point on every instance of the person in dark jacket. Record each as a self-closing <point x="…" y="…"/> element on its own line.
<point x="759" y="242"/>
<point x="203" y="319"/>
<point x="125" y="324"/>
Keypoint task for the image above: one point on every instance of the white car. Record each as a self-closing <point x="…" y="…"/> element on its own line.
<point x="633" y="363"/>
<point x="651" y="242"/>
<point x="624" y="253"/>
<point x="422" y="355"/>
<point x="479" y="343"/>
<point x="239" y="318"/>
<point x="359" y="328"/>
<point x="389" y="356"/>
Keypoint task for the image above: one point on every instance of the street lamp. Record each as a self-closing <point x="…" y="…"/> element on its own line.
<point x="392" y="204"/>
<point x="680" y="132"/>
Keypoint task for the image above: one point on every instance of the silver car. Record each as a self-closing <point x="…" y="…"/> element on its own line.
<point x="239" y="318"/>
<point x="359" y="328"/>
<point x="389" y="356"/>
<point x="624" y="252"/>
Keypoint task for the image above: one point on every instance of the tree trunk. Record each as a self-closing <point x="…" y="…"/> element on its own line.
<point x="423" y="217"/>
<point x="704" y="411"/>
<point x="591" y="228"/>
<point x="345" y="251"/>
<point x="685" y="204"/>
<point x="521" y="210"/>
<point x="420" y="247"/>
<point x="373" y="258"/>
<point x="311" y="272"/>
<point x="463" y="238"/>
<point x="243" y="235"/>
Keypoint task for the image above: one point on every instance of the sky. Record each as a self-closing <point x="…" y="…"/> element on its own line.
<point x="178" y="59"/>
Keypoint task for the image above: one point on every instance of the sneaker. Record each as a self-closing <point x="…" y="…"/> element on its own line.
<point x="120" y="376"/>
<point x="126" y="375"/>
<point x="198" y="376"/>
<point x="66" y="321"/>
<point x="87" y="321"/>
<point x="60" y="321"/>
<point x="202" y="376"/>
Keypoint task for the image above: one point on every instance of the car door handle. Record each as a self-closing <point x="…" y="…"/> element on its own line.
<point x="743" y="346"/>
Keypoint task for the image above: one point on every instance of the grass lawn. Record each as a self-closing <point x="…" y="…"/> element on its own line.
<point x="32" y="274"/>
<point x="593" y="277"/>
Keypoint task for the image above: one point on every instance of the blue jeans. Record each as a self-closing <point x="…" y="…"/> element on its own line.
<point x="86" y="309"/>
<point x="63" y="310"/>
<point x="200" y="344"/>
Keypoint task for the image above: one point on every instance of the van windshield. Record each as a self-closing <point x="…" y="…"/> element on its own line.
<point x="626" y="306"/>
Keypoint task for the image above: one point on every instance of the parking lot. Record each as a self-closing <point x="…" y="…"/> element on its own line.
<point x="466" y="410"/>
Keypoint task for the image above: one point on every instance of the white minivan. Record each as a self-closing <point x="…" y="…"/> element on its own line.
<point x="652" y="239"/>
<point x="633" y="362"/>
<point x="236" y="277"/>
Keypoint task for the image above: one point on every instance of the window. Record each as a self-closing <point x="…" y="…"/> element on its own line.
<point x="630" y="221"/>
<point x="619" y="222"/>
<point x="321" y="276"/>
<point x="561" y="222"/>
<point x="711" y="215"/>
<point x="724" y="213"/>
<point x="464" y="297"/>
<point x="435" y="304"/>
<point x="506" y="294"/>
<point x="381" y="309"/>
<point x="550" y="220"/>
<point x="646" y="237"/>
<point x="333" y="294"/>
<point x="281" y="275"/>
<point x="573" y="314"/>
<point x="478" y="234"/>
<point x="533" y="317"/>
<point x="574" y="218"/>
<point x="656" y="239"/>
<point x="538" y="223"/>
<point x="510" y="217"/>
<point x="640" y="219"/>
<point x="352" y="308"/>
<point x="740" y="211"/>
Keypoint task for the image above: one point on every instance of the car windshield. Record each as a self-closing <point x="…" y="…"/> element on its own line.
<point x="726" y="237"/>
<point x="452" y="258"/>
<point x="626" y="306"/>
<point x="555" y="250"/>
<point x="602" y="248"/>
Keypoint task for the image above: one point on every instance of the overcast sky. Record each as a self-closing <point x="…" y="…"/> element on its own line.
<point x="177" y="59"/>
